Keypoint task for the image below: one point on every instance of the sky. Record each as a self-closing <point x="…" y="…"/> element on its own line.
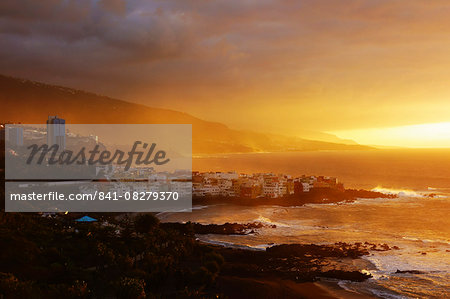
<point x="360" y="69"/>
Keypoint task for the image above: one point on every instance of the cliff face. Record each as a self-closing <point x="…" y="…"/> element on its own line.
<point x="31" y="102"/>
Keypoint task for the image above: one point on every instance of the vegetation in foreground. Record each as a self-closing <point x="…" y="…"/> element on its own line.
<point x="57" y="257"/>
<point x="116" y="257"/>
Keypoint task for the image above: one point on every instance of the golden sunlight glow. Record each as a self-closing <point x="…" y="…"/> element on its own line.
<point x="422" y="136"/>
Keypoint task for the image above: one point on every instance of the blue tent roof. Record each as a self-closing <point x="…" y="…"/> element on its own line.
<point x="86" y="219"/>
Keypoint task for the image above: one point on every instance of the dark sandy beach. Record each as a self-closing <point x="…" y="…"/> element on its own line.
<point x="281" y="288"/>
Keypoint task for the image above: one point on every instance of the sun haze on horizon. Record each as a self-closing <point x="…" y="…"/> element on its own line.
<point x="434" y="135"/>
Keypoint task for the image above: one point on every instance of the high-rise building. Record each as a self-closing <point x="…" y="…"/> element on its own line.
<point x="14" y="135"/>
<point x="56" y="132"/>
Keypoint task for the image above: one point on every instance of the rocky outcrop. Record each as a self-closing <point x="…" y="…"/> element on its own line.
<point x="220" y="229"/>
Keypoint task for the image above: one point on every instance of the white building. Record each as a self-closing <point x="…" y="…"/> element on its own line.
<point x="306" y="187"/>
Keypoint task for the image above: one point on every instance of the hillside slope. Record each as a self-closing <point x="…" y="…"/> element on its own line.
<point x="31" y="102"/>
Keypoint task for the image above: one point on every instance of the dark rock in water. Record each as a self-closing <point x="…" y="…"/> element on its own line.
<point x="337" y="250"/>
<point x="409" y="271"/>
<point x="220" y="229"/>
<point x="296" y="262"/>
<point x="385" y="247"/>
<point x="346" y="275"/>
<point x="380" y="247"/>
<point x="395" y="247"/>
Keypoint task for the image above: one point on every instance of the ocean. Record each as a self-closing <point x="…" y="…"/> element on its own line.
<point x="418" y="224"/>
<point x="414" y="169"/>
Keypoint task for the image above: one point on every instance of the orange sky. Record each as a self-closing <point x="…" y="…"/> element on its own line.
<point x="433" y="135"/>
<point x="278" y="66"/>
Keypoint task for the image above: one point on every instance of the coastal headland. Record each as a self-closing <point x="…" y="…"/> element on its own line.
<point x="315" y="195"/>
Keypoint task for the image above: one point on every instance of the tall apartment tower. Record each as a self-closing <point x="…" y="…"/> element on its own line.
<point x="56" y="132"/>
<point x="14" y="135"/>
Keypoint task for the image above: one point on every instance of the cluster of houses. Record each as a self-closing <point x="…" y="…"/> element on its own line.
<point x="145" y="179"/>
<point x="232" y="184"/>
<point x="226" y="184"/>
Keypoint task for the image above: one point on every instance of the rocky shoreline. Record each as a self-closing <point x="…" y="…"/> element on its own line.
<point x="297" y="268"/>
<point x="315" y="195"/>
<point x="297" y="262"/>
<point x="219" y="229"/>
<point x="287" y="266"/>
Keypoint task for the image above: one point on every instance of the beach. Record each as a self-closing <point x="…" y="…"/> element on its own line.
<point x="279" y="288"/>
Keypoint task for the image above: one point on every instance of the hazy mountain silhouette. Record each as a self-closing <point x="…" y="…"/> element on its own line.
<point x="31" y="102"/>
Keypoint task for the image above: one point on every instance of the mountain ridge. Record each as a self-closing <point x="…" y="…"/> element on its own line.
<point x="31" y="102"/>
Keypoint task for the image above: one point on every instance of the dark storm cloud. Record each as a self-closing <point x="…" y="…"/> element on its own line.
<point x="193" y="55"/>
<point x="59" y="37"/>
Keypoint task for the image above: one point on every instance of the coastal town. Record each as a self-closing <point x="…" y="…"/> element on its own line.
<point x="269" y="185"/>
<point x="203" y="184"/>
<point x="219" y="184"/>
